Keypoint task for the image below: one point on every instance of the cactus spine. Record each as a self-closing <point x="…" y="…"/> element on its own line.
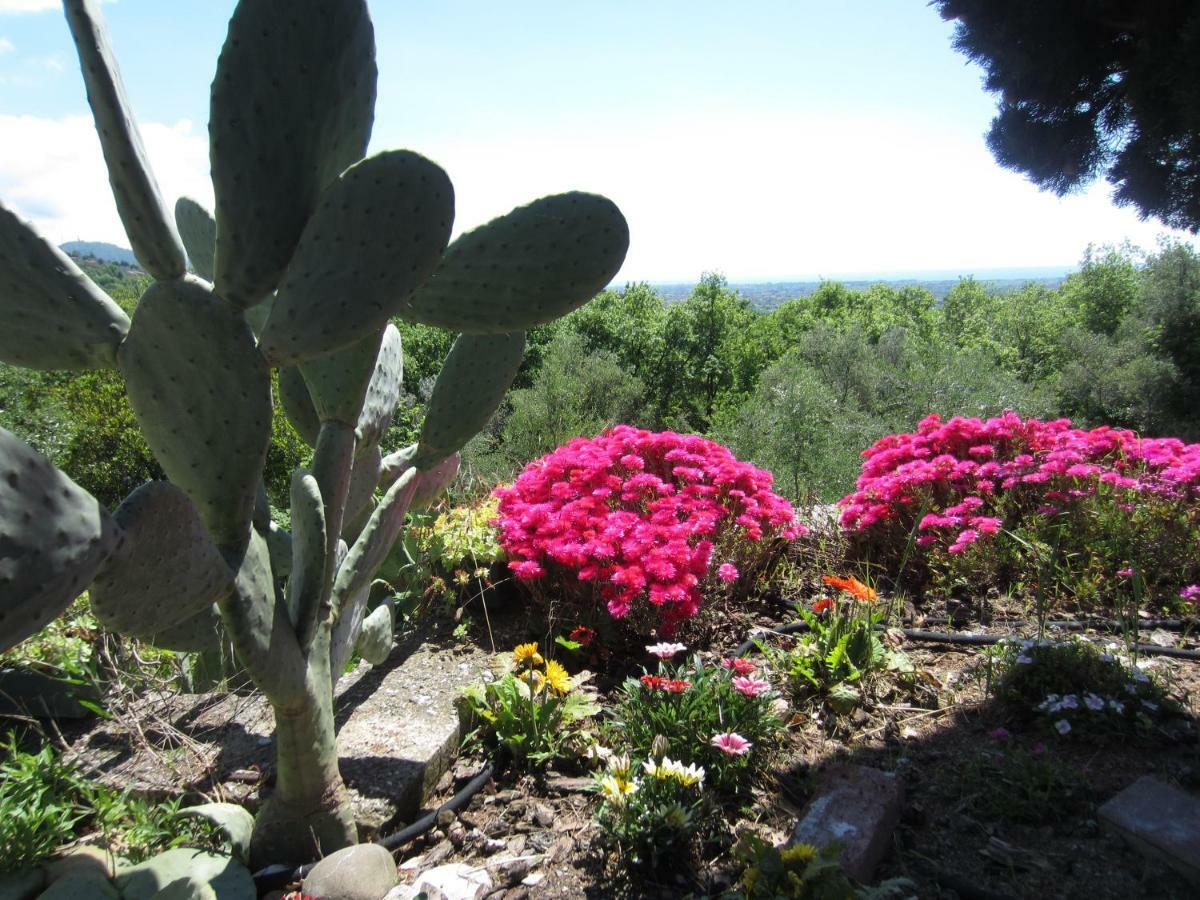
<point x="311" y="251"/>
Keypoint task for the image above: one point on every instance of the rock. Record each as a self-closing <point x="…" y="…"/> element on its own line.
<point x="84" y="860"/>
<point x="516" y="846"/>
<point x="570" y="785"/>
<point x="510" y="872"/>
<point x="22" y="885"/>
<point x="75" y="885"/>
<point x="543" y="815"/>
<point x="1161" y="821"/>
<point x="457" y="881"/>
<point x="857" y="807"/>
<point x="363" y="872"/>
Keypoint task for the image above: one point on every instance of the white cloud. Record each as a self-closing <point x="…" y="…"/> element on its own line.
<point x="52" y="172"/>
<point x="764" y="198"/>
<point x="6" y="46"/>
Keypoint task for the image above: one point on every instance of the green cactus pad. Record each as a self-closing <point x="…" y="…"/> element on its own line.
<point x="371" y="547"/>
<point x="187" y="888"/>
<point x="378" y="633"/>
<point x="363" y="480"/>
<point x="54" y="316"/>
<point x="202" y="395"/>
<point x="257" y="315"/>
<point x="229" y="879"/>
<point x="233" y="821"/>
<point x="257" y="622"/>
<point x="311" y="573"/>
<point x="396" y="464"/>
<point x="149" y="227"/>
<point x="199" y="233"/>
<point x="337" y="383"/>
<point x="297" y="404"/>
<point x="477" y="373"/>
<point x="433" y="482"/>
<point x="527" y="268"/>
<point x="54" y="536"/>
<point x="377" y="234"/>
<point x="202" y="633"/>
<point x="383" y="392"/>
<point x="167" y="569"/>
<point x="279" y="546"/>
<point x="292" y="106"/>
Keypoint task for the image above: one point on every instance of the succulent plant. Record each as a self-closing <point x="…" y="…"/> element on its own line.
<point x="311" y="251"/>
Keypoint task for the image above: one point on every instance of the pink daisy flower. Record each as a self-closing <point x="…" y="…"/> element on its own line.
<point x="751" y="685"/>
<point x="731" y="743"/>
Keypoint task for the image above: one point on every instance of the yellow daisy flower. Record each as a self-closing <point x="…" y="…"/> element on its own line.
<point x="557" y="678"/>
<point x="527" y="654"/>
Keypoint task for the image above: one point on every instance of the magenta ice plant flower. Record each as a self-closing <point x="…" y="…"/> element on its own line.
<point x="731" y="743"/>
<point x="728" y="572"/>
<point x="639" y="514"/>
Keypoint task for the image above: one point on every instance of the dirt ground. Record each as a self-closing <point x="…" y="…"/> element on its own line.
<point x="969" y="828"/>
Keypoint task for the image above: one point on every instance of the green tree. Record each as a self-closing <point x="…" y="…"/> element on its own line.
<point x="1089" y="87"/>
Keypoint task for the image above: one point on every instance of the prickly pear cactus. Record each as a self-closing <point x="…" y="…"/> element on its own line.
<point x="312" y="250"/>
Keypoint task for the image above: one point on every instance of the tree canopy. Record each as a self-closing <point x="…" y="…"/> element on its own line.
<point x="1091" y="87"/>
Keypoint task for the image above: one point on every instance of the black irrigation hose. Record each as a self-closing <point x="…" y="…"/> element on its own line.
<point x="278" y="876"/>
<point x="978" y="640"/>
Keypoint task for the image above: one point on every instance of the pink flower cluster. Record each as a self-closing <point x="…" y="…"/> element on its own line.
<point x="957" y="471"/>
<point x="639" y="513"/>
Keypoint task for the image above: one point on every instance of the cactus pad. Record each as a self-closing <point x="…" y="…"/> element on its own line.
<point x="433" y="482"/>
<point x="229" y="879"/>
<point x="298" y="405"/>
<point x="311" y="568"/>
<point x="54" y="316"/>
<point x="477" y="373"/>
<point x="167" y="569"/>
<point x="202" y="395"/>
<point x="527" y="268"/>
<point x="293" y="102"/>
<point x="149" y="228"/>
<point x="395" y="210"/>
<point x="378" y="633"/>
<point x="202" y="633"/>
<point x="383" y="391"/>
<point x="54" y="535"/>
<point x="337" y="383"/>
<point x="199" y="234"/>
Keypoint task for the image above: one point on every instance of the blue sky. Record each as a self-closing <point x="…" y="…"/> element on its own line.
<point x="766" y="140"/>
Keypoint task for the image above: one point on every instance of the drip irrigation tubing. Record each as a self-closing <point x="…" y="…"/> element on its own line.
<point x="977" y="640"/>
<point x="278" y="876"/>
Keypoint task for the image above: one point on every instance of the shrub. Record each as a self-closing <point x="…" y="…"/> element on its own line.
<point x="1097" y="501"/>
<point x="1074" y="687"/>
<point x="650" y="809"/>
<point x="841" y="650"/>
<point x="535" y="710"/>
<point x="718" y="717"/>
<point x="642" y="516"/>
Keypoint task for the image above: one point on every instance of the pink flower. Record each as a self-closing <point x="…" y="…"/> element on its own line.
<point x="1191" y="592"/>
<point x="728" y="572"/>
<point x="665" y="651"/>
<point x="739" y="665"/>
<point x="751" y="685"/>
<point x="1124" y="573"/>
<point x="731" y="743"/>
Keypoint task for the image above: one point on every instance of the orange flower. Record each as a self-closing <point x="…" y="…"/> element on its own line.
<point x="821" y="605"/>
<point x="853" y="587"/>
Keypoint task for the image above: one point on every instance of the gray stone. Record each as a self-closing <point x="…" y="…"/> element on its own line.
<point x="22" y="885"/>
<point x="81" y="884"/>
<point x="456" y="881"/>
<point x="857" y="807"/>
<point x="1161" y="821"/>
<point x="84" y="860"/>
<point x="363" y="872"/>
